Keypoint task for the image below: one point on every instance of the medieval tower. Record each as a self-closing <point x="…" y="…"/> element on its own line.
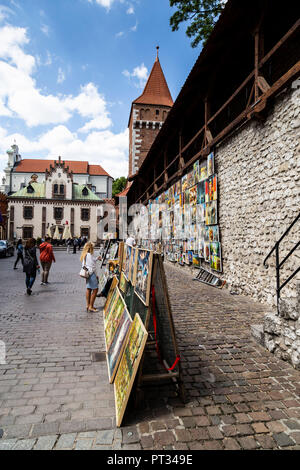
<point x="148" y="113"/>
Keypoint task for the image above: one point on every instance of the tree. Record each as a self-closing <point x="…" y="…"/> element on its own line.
<point x="202" y="15"/>
<point x="118" y="185"/>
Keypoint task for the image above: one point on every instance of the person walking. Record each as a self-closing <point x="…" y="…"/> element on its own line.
<point x="19" y="253"/>
<point x="74" y="245"/>
<point x="89" y="261"/>
<point x="69" y="244"/>
<point x="30" y="264"/>
<point x="79" y="243"/>
<point x="46" y="258"/>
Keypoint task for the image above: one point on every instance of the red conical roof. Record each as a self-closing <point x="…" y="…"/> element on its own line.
<point x="156" y="90"/>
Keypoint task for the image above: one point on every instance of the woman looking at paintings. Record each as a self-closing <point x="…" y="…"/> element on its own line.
<point x="89" y="261"/>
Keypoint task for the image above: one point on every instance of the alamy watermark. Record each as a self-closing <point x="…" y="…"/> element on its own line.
<point x="2" y="353"/>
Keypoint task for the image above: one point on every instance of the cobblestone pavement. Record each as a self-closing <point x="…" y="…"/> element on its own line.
<point x="53" y="396"/>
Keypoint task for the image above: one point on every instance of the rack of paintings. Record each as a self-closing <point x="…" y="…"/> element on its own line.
<point x="139" y="290"/>
<point x="185" y="217"/>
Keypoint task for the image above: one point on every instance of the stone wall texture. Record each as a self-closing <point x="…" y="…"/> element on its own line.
<point x="258" y="169"/>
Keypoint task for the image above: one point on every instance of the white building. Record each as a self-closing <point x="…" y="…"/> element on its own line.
<point x="18" y="174"/>
<point x="47" y="194"/>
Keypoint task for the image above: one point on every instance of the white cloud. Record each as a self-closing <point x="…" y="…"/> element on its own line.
<point x="120" y="34"/>
<point x="45" y="29"/>
<point x="134" y="28"/>
<point x="130" y="10"/>
<point x="104" y="148"/>
<point x="5" y="12"/>
<point x="48" y="60"/>
<point x="103" y="3"/>
<point x="139" y="75"/>
<point x="60" y="76"/>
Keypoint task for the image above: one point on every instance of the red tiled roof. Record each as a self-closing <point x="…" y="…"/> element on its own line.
<point x="35" y="165"/>
<point x="125" y="191"/>
<point x="97" y="170"/>
<point x="156" y="90"/>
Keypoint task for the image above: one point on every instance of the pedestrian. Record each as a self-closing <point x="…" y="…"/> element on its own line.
<point x="30" y="264"/>
<point x="19" y="253"/>
<point x="79" y="242"/>
<point x="46" y="258"/>
<point x="74" y="245"/>
<point x="69" y="244"/>
<point x="89" y="261"/>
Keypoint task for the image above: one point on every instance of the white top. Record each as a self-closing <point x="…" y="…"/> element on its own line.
<point x="90" y="263"/>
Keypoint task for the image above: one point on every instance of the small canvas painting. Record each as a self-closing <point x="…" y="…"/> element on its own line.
<point x="215" y="256"/>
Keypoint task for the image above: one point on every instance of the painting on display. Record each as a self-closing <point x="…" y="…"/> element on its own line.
<point x="211" y="189"/>
<point x="111" y="320"/>
<point x="117" y="344"/>
<point x="128" y="366"/>
<point x="103" y="278"/>
<point x="201" y="192"/>
<point x="143" y="275"/>
<point x="201" y="248"/>
<point x="203" y="170"/>
<point x="196" y="261"/>
<point x="111" y="299"/>
<point x="211" y="216"/>
<point x="132" y="269"/>
<point x="215" y="256"/>
<point x="210" y="164"/>
<point x="196" y="172"/>
<point x="127" y="261"/>
<point x="207" y="251"/>
<point x="212" y="233"/>
<point x="200" y="211"/>
<point x="123" y="283"/>
<point x="190" y="257"/>
<point x="190" y="179"/>
<point x="184" y="183"/>
<point x="193" y="195"/>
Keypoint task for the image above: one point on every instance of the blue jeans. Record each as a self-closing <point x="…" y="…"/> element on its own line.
<point x="30" y="278"/>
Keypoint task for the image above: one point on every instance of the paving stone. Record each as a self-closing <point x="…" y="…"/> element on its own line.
<point x="247" y="443"/>
<point x="83" y="444"/>
<point x="164" y="438"/>
<point x="24" y="444"/>
<point x="292" y="424"/>
<point x="7" y="444"/>
<point x="230" y="443"/>
<point x="283" y="440"/>
<point x="44" y="429"/>
<point x="105" y="437"/>
<point x="65" y="441"/>
<point x="45" y="443"/>
<point x="130" y="435"/>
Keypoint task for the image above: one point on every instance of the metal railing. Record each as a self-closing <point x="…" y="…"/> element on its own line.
<point x="279" y="263"/>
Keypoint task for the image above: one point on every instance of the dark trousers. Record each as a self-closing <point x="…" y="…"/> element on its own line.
<point x="19" y="256"/>
<point x="30" y="278"/>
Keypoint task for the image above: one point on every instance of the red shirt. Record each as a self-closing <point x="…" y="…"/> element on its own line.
<point x="46" y="251"/>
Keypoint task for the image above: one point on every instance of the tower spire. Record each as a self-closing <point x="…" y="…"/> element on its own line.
<point x="157" y="48"/>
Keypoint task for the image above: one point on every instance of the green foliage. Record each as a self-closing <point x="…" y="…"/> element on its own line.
<point x="201" y="14"/>
<point x="118" y="185"/>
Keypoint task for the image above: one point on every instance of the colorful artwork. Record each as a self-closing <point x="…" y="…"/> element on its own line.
<point x="196" y="261"/>
<point x="200" y="211"/>
<point x="111" y="320"/>
<point x="190" y="257"/>
<point x="123" y="283"/>
<point x="211" y="189"/>
<point x="207" y="251"/>
<point x="201" y="193"/>
<point x="196" y="172"/>
<point x="184" y="183"/>
<point x="193" y="195"/>
<point x="215" y="256"/>
<point x="190" y="179"/>
<point x="212" y="233"/>
<point x="103" y="278"/>
<point x="132" y="269"/>
<point x="117" y="344"/>
<point x="126" y="265"/>
<point x="203" y="170"/>
<point x="110" y="301"/>
<point x="143" y="275"/>
<point x="128" y="366"/>
<point x="210" y="164"/>
<point x="201" y="249"/>
<point x="211" y="216"/>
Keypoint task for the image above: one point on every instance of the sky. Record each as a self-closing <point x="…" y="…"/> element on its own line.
<point x="70" y="69"/>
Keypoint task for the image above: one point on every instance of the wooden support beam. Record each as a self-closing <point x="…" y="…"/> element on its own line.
<point x="263" y="84"/>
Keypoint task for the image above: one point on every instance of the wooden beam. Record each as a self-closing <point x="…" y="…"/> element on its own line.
<point x="263" y="84"/>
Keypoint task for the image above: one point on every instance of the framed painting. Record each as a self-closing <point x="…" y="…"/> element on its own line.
<point x="184" y="183"/>
<point x="196" y="261"/>
<point x="111" y="320"/>
<point x="196" y="172"/>
<point x="132" y="268"/>
<point x="127" y="260"/>
<point x="212" y="233"/>
<point x="143" y="275"/>
<point x="200" y="213"/>
<point x="123" y="283"/>
<point x="117" y="344"/>
<point x="203" y="170"/>
<point x="211" y="216"/>
<point x="211" y="189"/>
<point x="193" y="195"/>
<point x="190" y="179"/>
<point x="201" y="248"/>
<point x="128" y="366"/>
<point x="201" y="192"/>
<point x="207" y="251"/>
<point x="210" y="164"/>
<point x="112" y="295"/>
<point x="215" y="256"/>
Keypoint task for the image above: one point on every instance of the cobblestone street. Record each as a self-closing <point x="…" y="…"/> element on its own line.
<point x="53" y="396"/>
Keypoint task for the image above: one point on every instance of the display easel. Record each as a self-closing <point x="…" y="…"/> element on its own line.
<point x="105" y="251"/>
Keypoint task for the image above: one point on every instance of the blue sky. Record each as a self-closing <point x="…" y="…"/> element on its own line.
<point x="69" y="70"/>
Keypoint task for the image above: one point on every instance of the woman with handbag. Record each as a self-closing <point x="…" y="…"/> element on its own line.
<point x="30" y="264"/>
<point x="89" y="272"/>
